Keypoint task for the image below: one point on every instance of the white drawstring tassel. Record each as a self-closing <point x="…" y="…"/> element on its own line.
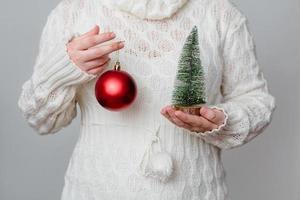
<point x="157" y="165"/>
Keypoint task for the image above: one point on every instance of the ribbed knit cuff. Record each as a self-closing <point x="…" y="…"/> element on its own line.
<point x="58" y="70"/>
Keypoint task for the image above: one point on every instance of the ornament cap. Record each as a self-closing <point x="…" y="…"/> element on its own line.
<point x="117" y="66"/>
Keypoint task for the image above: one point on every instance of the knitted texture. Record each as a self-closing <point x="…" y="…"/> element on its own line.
<point x="148" y="9"/>
<point x="110" y="146"/>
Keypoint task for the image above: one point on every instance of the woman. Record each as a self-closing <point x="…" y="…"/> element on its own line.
<point x="111" y="149"/>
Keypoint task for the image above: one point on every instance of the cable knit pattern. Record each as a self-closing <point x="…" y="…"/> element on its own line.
<point x="148" y="9"/>
<point x="110" y="146"/>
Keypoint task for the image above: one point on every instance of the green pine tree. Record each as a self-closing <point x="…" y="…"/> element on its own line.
<point x="189" y="85"/>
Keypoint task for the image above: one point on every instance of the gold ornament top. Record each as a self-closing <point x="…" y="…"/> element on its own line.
<point x="117" y="66"/>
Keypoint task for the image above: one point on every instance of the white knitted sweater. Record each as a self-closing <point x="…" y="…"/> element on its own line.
<point x="111" y="145"/>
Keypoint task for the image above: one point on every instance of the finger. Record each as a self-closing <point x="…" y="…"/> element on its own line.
<point x="99" y="69"/>
<point x="171" y="112"/>
<point x="96" y="62"/>
<point x="94" y="40"/>
<point x="98" y="52"/>
<point x="186" y="126"/>
<point x="164" y="109"/>
<point x="195" y="121"/>
<point x="208" y="125"/>
<point x="94" y="31"/>
<point x="166" y="114"/>
<point x="213" y="115"/>
<point x="198" y="123"/>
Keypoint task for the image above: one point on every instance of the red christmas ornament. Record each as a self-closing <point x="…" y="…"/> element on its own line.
<point x="115" y="89"/>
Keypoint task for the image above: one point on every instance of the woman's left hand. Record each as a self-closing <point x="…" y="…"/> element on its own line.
<point x="208" y="119"/>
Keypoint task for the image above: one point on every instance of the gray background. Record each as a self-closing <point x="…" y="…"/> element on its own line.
<point x="32" y="167"/>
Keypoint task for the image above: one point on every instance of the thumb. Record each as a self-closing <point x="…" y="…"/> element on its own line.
<point x="208" y="113"/>
<point x="213" y="115"/>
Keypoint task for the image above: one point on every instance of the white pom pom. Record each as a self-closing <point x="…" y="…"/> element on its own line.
<point x="160" y="166"/>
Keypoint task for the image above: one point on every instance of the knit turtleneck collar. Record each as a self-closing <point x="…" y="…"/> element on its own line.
<point x="148" y="9"/>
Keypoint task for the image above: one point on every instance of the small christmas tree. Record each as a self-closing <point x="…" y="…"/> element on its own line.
<point x="189" y="85"/>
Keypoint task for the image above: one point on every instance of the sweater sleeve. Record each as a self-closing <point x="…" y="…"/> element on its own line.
<point x="247" y="104"/>
<point x="47" y="99"/>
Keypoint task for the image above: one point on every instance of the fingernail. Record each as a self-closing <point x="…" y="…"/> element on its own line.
<point x="210" y="114"/>
<point x="177" y="113"/>
<point x="121" y="44"/>
<point x="112" y="34"/>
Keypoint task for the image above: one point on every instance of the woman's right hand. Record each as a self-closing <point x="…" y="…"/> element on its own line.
<point x="89" y="57"/>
